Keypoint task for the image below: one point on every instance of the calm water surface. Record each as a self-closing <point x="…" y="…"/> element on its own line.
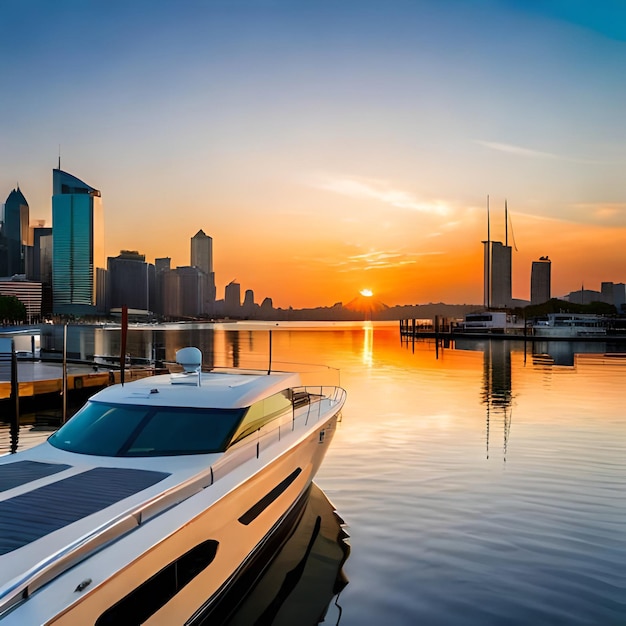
<point x="480" y="483"/>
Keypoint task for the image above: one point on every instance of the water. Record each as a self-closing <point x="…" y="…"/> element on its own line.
<point x="481" y="483"/>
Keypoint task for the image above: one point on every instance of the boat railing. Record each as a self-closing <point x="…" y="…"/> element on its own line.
<point x="321" y="399"/>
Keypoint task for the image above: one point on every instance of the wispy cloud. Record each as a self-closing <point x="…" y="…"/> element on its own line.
<point x="534" y="154"/>
<point x="377" y="259"/>
<point x="602" y="213"/>
<point x="383" y="192"/>
<point x="517" y="150"/>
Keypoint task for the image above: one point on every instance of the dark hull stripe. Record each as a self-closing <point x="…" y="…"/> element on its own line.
<point x="253" y="512"/>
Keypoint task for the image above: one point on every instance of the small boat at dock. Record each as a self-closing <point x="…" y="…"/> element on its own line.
<point x="574" y="325"/>
<point x="491" y="322"/>
<point x="157" y="493"/>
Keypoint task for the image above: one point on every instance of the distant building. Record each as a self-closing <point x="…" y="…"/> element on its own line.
<point x="540" y="276"/>
<point x="497" y="274"/>
<point x="202" y="258"/>
<point x="584" y="296"/>
<point x="181" y="292"/>
<point x="29" y="293"/>
<point x="169" y="290"/>
<point x="162" y="268"/>
<point x="614" y="293"/>
<point x="202" y="252"/>
<point x="41" y="265"/>
<point x="15" y="234"/>
<point x="131" y="282"/>
<point x="163" y="264"/>
<point x="192" y="291"/>
<point x="249" y="307"/>
<point x="78" y="246"/>
<point x="42" y="254"/>
<point x="232" y="299"/>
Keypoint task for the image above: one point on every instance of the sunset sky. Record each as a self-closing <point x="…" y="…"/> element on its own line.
<point x="330" y="146"/>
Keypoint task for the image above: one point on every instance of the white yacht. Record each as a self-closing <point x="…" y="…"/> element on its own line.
<point x="570" y="325"/>
<point x="491" y="322"/>
<point x="156" y="494"/>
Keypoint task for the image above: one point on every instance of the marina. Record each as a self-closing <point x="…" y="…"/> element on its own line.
<point x="479" y="482"/>
<point x="501" y="325"/>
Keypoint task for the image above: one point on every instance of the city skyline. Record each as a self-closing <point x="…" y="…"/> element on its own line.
<point x="330" y="149"/>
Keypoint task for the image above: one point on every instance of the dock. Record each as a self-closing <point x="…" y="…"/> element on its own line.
<point x="411" y="329"/>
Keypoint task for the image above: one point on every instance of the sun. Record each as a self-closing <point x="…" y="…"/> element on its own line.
<point x="368" y="293"/>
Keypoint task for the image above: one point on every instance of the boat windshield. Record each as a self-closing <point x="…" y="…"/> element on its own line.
<point x="133" y="430"/>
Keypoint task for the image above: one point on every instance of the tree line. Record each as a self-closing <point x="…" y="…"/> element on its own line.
<point x="11" y="310"/>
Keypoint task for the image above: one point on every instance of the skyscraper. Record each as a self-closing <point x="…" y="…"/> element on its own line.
<point x="540" y="280"/>
<point x="131" y="282"/>
<point x="202" y="258"/>
<point x="498" y="288"/>
<point x="202" y="252"/>
<point x="232" y="298"/>
<point x="15" y="233"/>
<point x="497" y="267"/>
<point x="78" y="245"/>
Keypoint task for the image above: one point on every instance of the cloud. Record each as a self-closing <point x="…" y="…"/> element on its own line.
<point x="611" y="214"/>
<point x="381" y="191"/>
<point x="603" y="214"/>
<point x="517" y="150"/>
<point x="377" y="259"/>
<point x="534" y="154"/>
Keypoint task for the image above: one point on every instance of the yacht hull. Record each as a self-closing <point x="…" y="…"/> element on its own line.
<point x="239" y="512"/>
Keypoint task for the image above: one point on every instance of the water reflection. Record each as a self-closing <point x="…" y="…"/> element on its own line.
<point x="297" y="583"/>
<point x="496" y="391"/>
<point x="368" y="344"/>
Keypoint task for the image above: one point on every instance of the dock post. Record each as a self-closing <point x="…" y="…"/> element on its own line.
<point x="64" y="381"/>
<point x="15" y="400"/>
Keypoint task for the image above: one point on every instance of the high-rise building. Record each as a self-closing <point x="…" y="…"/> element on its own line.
<point x="248" y="307"/>
<point x="78" y="246"/>
<point x="202" y="252"/>
<point x="41" y="266"/>
<point x="15" y="233"/>
<point x="540" y="289"/>
<point x="42" y="254"/>
<point x="202" y="258"/>
<point x="232" y="298"/>
<point x="131" y="282"/>
<point x="169" y="290"/>
<point x="192" y="297"/>
<point x="497" y="278"/>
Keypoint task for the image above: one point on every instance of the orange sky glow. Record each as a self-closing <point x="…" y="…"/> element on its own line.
<point x="332" y="147"/>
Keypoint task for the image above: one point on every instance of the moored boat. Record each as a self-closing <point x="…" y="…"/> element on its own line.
<point x="570" y="325"/>
<point x="491" y="322"/>
<point x="157" y="493"/>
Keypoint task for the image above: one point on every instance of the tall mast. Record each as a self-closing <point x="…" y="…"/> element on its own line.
<point x="488" y="257"/>
<point x="506" y="224"/>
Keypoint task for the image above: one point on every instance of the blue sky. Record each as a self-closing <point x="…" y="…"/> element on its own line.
<point x="372" y="130"/>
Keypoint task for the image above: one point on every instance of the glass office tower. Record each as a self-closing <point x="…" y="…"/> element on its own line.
<point x="15" y="231"/>
<point x="78" y="246"/>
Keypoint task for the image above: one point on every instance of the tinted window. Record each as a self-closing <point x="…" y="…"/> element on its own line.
<point x="124" y="430"/>
<point x="157" y="591"/>
<point x="262" y="412"/>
